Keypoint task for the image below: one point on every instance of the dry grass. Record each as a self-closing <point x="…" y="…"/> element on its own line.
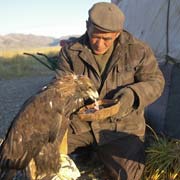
<point x="8" y="54"/>
<point x="15" y="64"/>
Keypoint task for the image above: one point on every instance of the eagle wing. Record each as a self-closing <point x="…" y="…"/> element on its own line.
<point x="31" y="130"/>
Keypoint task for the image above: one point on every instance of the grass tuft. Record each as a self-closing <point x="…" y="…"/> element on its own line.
<point x="163" y="159"/>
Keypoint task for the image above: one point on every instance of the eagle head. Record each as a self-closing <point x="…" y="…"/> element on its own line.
<point x="85" y="87"/>
<point x="77" y="86"/>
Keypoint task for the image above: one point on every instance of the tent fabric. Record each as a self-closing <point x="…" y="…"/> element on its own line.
<point x="172" y="118"/>
<point x="148" y="21"/>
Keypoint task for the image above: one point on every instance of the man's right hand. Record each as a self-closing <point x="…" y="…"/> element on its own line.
<point x="125" y="99"/>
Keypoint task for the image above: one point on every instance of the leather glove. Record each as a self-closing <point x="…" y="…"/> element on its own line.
<point x="126" y="101"/>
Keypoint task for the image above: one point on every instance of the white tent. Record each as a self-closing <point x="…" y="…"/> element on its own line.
<point x="157" y="22"/>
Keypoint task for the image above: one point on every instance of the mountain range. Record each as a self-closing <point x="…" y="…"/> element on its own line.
<point x="23" y="41"/>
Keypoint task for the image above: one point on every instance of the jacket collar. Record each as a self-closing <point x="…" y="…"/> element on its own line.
<point x="86" y="55"/>
<point x="85" y="52"/>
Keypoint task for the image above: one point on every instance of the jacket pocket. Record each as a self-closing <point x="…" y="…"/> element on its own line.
<point x="125" y="75"/>
<point x="79" y="126"/>
<point x="134" y="123"/>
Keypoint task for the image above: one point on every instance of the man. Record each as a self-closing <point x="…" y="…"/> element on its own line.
<point x="122" y="68"/>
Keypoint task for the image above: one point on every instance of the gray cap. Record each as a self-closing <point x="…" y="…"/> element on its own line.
<point x="106" y="17"/>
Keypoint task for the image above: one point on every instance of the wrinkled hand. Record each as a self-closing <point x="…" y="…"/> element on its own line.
<point x="126" y="100"/>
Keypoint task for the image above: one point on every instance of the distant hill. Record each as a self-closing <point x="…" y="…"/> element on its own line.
<point x="22" y="41"/>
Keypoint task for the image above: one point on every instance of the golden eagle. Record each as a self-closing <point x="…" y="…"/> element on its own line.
<point x="36" y="132"/>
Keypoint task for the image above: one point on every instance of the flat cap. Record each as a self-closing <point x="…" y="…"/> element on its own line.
<point x="106" y="17"/>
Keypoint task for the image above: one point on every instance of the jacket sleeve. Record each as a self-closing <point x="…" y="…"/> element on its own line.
<point x="149" y="80"/>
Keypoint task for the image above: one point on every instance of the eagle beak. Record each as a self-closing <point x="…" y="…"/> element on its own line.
<point x="93" y="94"/>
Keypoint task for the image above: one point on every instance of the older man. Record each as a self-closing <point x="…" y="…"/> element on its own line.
<point x="124" y="68"/>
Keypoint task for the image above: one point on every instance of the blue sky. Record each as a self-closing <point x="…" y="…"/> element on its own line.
<point x="54" y="18"/>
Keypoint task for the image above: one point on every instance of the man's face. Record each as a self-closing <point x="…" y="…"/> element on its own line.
<point x="100" y="41"/>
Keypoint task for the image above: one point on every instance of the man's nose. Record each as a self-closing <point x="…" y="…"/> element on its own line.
<point x="100" y="42"/>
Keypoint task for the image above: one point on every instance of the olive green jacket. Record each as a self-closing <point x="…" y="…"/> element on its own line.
<point x="132" y="64"/>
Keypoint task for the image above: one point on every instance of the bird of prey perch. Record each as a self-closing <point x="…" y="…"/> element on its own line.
<point x="37" y="130"/>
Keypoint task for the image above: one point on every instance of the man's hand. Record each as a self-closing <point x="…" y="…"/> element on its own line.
<point x="126" y="101"/>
